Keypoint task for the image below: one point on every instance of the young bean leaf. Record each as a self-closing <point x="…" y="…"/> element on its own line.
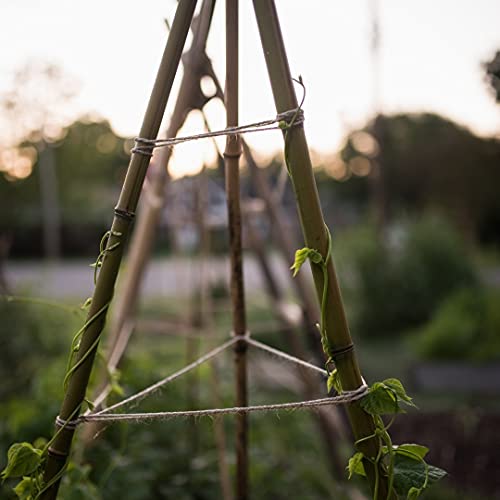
<point x="411" y="450"/>
<point x="25" y="488"/>
<point x="380" y="400"/>
<point x="333" y="382"/>
<point x="302" y="255"/>
<point x="22" y="459"/>
<point x="355" y="465"/>
<point x="385" y="397"/>
<point x="396" y="385"/>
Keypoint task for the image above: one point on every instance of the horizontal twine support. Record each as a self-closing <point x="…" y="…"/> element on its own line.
<point x="344" y="398"/>
<point x="105" y="416"/>
<point x="291" y="118"/>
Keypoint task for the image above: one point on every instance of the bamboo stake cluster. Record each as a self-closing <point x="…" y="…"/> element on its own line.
<point x="314" y="229"/>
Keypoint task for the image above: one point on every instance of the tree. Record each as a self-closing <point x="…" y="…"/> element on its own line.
<point x="90" y="155"/>
<point x="432" y="163"/>
<point x="36" y="110"/>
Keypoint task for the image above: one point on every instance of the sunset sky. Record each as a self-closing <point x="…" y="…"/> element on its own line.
<point x="430" y="60"/>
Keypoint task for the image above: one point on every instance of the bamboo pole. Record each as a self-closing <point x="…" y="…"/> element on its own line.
<point x="327" y="419"/>
<point x="207" y="324"/>
<point x="232" y="155"/>
<point x="75" y="394"/>
<point x="315" y="233"/>
<point x="195" y="65"/>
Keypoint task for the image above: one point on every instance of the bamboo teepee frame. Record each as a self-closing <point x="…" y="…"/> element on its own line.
<point x="196" y="65"/>
<point x="312" y="222"/>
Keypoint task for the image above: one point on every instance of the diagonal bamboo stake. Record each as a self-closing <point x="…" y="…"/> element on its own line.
<point x="195" y="65"/>
<point x="75" y="394"/>
<point x="232" y="155"/>
<point x="315" y="233"/>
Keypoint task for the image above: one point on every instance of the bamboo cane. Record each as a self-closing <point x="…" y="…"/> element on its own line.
<point x="315" y="233"/>
<point x="122" y="321"/>
<point x="195" y="65"/>
<point x="232" y="155"/>
<point x="330" y="426"/>
<point x="75" y="394"/>
<point x="207" y="324"/>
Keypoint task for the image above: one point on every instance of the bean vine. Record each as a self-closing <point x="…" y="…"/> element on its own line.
<point x="26" y="460"/>
<point x="408" y="474"/>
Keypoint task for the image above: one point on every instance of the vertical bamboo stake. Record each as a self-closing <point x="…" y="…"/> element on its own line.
<point x="232" y="155"/>
<point x="315" y="234"/>
<point x="207" y="324"/>
<point x="124" y="212"/>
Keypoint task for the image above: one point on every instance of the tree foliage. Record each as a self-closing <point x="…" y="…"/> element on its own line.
<point x="429" y="162"/>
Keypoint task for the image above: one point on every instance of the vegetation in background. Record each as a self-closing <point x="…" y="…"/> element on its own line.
<point x="396" y="284"/>
<point x="465" y="328"/>
<point x="428" y="162"/>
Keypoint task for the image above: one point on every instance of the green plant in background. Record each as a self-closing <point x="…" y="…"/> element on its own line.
<point x="418" y="266"/>
<point x="464" y="328"/>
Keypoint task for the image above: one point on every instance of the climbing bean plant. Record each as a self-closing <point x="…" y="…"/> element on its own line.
<point x="26" y="460"/>
<point x="407" y="472"/>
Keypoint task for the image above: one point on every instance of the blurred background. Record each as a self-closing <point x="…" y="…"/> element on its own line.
<point x="402" y="115"/>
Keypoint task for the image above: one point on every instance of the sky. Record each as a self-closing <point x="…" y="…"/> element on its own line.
<point x="430" y="59"/>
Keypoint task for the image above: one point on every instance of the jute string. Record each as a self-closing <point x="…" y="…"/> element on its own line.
<point x="105" y="416"/>
<point x="291" y="118"/>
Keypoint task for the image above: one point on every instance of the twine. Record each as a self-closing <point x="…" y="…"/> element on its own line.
<point x="285" y="356"/>
<point x="291" y="118"/>
<point x="344" y="398"/>
<point x="104" y="416"/>
<point x="148" y="391"/>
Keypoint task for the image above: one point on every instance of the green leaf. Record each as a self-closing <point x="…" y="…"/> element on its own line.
<point x="355" y="465"/>
<point x="384" y="398"/>
<point x="22" y="460"/>
<point x="333" y="382"/>
<point x="435" y="473"/>
<point x="412" y="450"/>
<point x="408" y="473"/>
<point x="380" y="400"/>
<point x="395" y="385"/>
<point x="302" y="255"/>
<point x="25" y="488"/>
